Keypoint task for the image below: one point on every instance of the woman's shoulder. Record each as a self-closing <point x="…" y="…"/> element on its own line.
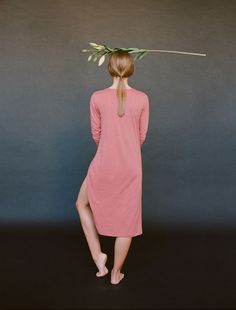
<point x="98" y="92"/>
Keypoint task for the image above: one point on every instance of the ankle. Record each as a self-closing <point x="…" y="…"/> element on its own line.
<point x="95" y="256"/>
<point x="115" y="271"/>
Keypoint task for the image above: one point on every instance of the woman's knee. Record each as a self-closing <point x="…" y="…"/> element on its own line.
<point x="79" y="204"/>
<point x="82" y="199"/>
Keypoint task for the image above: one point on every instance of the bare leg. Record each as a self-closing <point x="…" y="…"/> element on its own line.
<point x="122" y="245"/>
<point x="90" y="231"/>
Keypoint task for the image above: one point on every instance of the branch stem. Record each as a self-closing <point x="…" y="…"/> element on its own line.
<point x="177" y="52"/>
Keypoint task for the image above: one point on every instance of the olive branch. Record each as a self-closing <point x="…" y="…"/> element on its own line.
<point x="101" y="50"/>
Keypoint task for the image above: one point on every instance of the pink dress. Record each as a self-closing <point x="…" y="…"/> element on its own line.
<point x="114" y="176"/>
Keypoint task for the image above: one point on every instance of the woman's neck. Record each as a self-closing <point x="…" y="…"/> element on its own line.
<point x="116" y="81"/>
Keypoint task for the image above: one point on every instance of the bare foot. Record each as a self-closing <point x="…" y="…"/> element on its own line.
<point x="100" y="261"/>
<point x="116" y="277"/>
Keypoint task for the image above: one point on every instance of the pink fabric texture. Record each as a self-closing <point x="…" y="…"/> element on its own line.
<point x="114" y="176"/>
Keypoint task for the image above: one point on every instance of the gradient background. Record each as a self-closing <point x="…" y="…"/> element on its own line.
<point x="189" y="170"/>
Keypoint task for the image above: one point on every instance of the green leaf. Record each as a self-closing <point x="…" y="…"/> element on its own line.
<point x="136" y="56"/>
<point x="106" y="47"/>
<point x="143" y="54"/>
<point x="93" y="44"/>
<point x="101" y="60"/>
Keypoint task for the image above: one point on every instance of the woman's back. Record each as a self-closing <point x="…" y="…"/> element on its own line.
<point x="114" y="179"/>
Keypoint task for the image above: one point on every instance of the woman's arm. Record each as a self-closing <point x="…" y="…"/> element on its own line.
<point x="95" y="120"/>
<point x="144" y="121"/>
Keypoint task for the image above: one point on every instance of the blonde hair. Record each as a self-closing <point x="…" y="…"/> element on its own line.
<point x="121" y="64"/>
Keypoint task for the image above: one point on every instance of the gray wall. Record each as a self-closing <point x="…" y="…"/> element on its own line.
<point x="46" y="82"/>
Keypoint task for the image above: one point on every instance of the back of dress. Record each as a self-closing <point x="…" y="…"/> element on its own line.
<point x="114" y="177"/>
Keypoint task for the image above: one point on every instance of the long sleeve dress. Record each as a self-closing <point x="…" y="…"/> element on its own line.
<point x="114" y="176"/>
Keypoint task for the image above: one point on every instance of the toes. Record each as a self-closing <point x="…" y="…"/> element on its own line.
<point x="99" y="274"/>
<point x="100" y="262"/>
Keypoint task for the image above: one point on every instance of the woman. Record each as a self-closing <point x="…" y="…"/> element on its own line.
<point x="109" y="202"/>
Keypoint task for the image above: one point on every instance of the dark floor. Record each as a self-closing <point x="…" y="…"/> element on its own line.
<point x="52" y="269"/>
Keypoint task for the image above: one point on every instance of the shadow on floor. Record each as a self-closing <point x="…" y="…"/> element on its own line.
<point x="52" y="269"/>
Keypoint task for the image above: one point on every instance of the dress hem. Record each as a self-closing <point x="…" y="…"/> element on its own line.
<point x="104" y="233"/>
<point x="119" y="235"/>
